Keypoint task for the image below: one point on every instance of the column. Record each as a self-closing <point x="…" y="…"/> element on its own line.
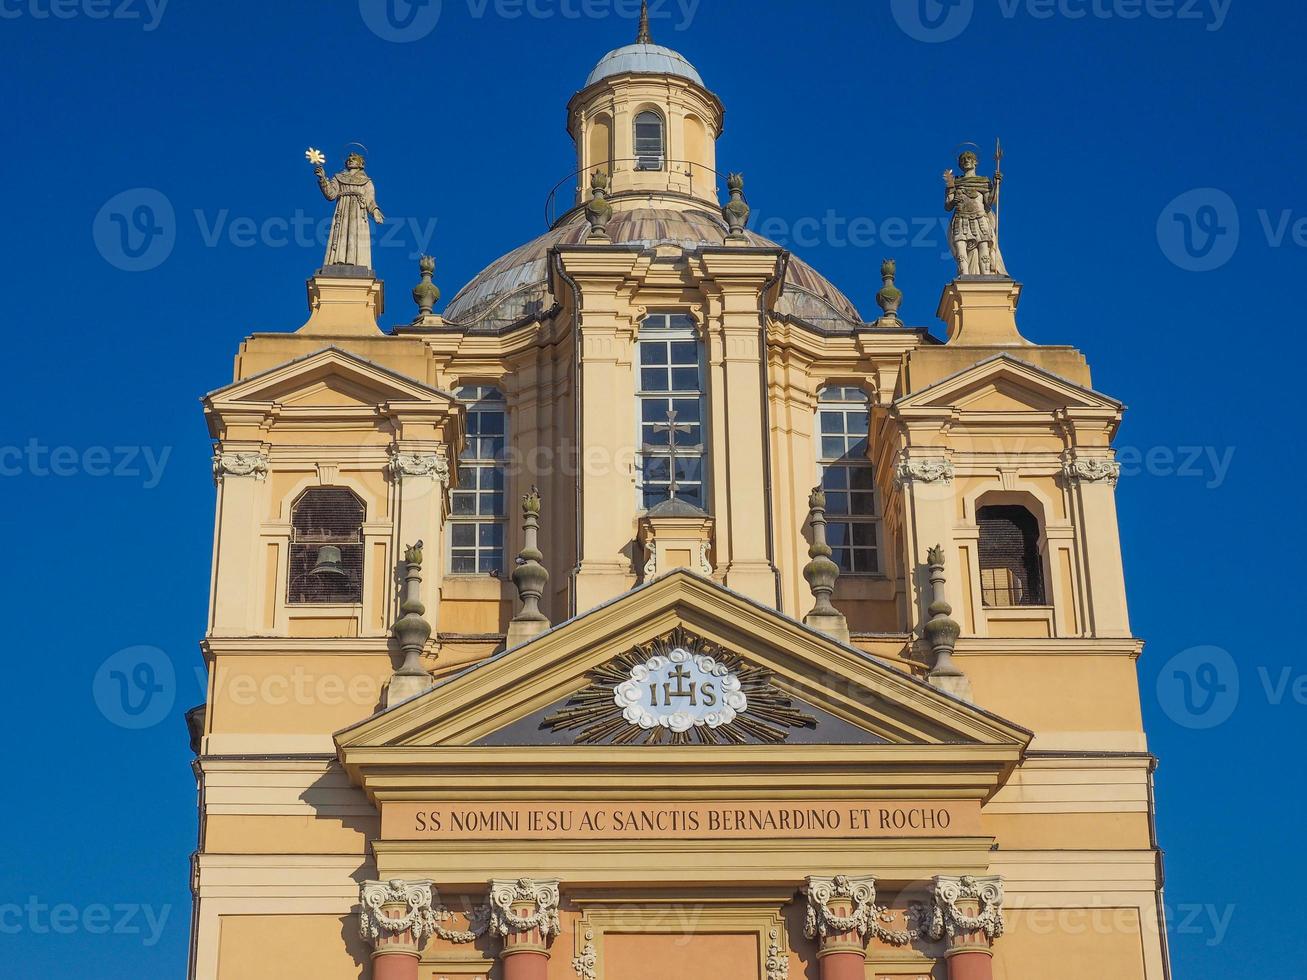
<point x="840" y="911"/>
<point x="524" y="914"/>
<point x="240" y="476"/>
<point x="1092" y="481"/>
<point x="397" y="919"/>
<point x="968" y="914"/>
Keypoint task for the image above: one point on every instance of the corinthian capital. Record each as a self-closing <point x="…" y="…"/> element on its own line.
<point x="524" y="906"/>
<point x="1093" y="470"/>
<point x="966" y="907"/>
<point x="240" y="464"/>
<point x="924" y="469"/>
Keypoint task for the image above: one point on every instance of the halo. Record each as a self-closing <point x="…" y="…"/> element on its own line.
<point x="968" y="145"/>
<point x="363" y="150"/>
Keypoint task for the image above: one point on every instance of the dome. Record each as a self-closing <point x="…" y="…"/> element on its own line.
<point x="644" y="59"/>
<point x="517" y="285"/>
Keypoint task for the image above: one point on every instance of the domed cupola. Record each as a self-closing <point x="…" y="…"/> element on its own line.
<point x="646" y="118"/>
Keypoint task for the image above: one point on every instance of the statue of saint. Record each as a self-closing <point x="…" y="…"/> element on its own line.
<point x="973" y="234"/>
<point x="351" y="236"/>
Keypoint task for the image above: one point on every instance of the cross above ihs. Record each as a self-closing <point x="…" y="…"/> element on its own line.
<point x="671" y="428"/>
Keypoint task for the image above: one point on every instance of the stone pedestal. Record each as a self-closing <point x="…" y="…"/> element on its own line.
<point x="675" y="534"/>
<point x="345" y="301"/>
<point x="981" y="311"/>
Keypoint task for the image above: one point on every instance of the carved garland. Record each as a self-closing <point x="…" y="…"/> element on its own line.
<point x="778" y="962"/>
<point x="544" y="895"/>
<point x="586" y="962"/>
<point x="947" y="919"/>
<point x="868" y="918"/>
<point x="424" y="918"/>
<point x="596" y="717"/>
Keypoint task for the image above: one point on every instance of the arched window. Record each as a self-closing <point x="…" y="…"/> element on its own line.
<point x="650" y="143"/>
<point x="1011" y="573"/>
<point x="853" y="530"/>
<point x="671" y="380"/>
<point x="326" y="547"/>
<point x="476" y="526"/>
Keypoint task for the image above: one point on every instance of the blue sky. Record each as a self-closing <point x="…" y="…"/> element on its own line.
<point x="1152" y="208"/>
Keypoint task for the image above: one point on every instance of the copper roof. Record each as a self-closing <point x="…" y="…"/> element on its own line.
<point x="517" y="285"/>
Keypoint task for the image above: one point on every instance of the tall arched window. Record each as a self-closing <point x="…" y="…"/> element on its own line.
<point x="476" y="526"/>
<point x="326" y="547"/>
<point x="671" y="380"/>
<point x="1011" y="572"/>
<point x="650" y="141"/>
<point x="853" y="530"/>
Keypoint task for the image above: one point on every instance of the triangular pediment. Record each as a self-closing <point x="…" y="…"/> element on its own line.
<point x="328" y="378"/>
<point x="1006" y="384"/>
<point x="854" y="698"/>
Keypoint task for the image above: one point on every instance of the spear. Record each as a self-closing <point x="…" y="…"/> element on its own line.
<point x="998" y="169"/>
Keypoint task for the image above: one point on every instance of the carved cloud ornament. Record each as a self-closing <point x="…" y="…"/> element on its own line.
<point x="679" y="689"/>
<point x="934" y="469"/>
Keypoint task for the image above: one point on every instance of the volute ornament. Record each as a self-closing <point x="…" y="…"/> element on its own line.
<point x="404" y="464"/>
<point x="867" y="919"/>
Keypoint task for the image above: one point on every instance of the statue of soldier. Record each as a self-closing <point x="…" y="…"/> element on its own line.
<point x="973" y="233"/>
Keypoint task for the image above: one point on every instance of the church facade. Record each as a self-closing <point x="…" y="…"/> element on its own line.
<point x="650" y="613"/>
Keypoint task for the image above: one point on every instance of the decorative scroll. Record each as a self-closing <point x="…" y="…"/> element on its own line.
<point x="927" y="470"/>
<point x="240" y="464"/>
<point x="586" y="962"/>
<point x="1093" y="470"/>
<point x="419" y="464"/>
<point x="778" y="961"/>
<point x="599" y="713"/>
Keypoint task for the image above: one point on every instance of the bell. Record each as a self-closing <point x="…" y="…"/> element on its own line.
<point x="329" y="562"/>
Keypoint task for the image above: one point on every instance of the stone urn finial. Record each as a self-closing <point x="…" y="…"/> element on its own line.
<point x="411" y="630"/>
<point x="530" y="576"/>
<point x="822" y="573"/>
<point x="942" y="632"/>
<point x="426" y="293"/>
<point x="736" y="211"/>
<point x="890" y="296"/>
<point x="597" y="209"/>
